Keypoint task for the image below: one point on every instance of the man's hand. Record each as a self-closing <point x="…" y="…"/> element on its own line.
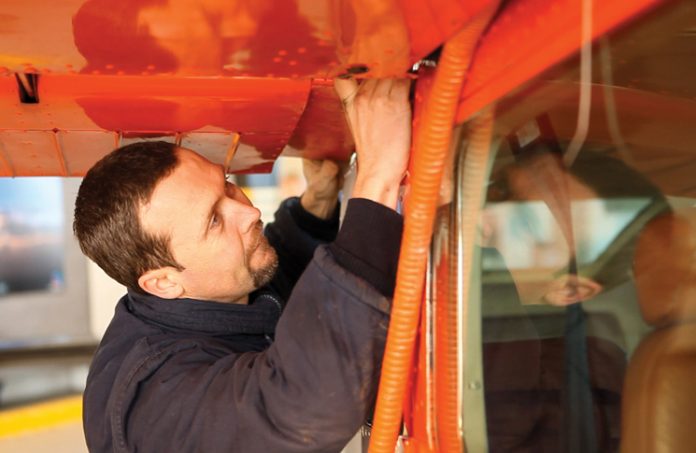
<point x="379" y="116"/>
<point x="324" y="180"/>
<point x="571" y="289"/>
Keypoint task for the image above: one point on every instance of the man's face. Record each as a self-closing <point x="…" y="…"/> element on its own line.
<point x="215" y="233"/>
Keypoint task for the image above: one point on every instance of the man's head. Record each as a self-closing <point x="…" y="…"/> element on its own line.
<point x="163" y="220"/>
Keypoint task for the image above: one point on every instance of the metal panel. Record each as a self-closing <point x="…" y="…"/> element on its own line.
<point x="215" y="146"/>
<point x="177" y="104"/>
<point x="256" y="153"/>
<point x="266" y="38"/>
<point x="322" y="131"/>
<point x="33" y="153"/>
<point x="89" y="111"/>
<point x="82" y="148"/>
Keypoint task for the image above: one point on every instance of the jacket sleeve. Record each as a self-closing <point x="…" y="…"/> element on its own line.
<point x="311" y="389"/>
<point x="295" y="234"/>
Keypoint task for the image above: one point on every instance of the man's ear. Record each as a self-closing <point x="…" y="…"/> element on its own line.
<point x="163" y="282"/>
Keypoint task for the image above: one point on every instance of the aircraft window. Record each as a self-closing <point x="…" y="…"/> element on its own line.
<point x="573" y="257"/>
<point x="542" y="240"/>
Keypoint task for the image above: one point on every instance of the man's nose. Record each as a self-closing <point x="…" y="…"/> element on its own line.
<point x="244" y="215"/>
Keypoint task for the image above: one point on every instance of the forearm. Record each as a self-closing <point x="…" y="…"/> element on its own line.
<point x="377" y="189"/>
<point x="368" y="243"/>
<point x="379" y="115"/>
<point x="324" y="180"/>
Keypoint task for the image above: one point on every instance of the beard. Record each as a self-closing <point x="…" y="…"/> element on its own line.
<point x="264" y="272"/>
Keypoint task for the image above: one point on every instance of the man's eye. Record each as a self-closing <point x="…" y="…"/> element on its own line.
<point x="214" y="221"/>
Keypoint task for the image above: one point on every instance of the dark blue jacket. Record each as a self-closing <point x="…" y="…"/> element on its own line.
<point x="196" y="376"/>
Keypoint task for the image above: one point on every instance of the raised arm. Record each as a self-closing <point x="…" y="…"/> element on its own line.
<point x="379" y="116"/>
<point x="301" y="225"/>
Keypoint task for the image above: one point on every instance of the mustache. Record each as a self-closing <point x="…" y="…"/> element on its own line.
<point x="258" y="236"/>
<point x="258" y="228"/>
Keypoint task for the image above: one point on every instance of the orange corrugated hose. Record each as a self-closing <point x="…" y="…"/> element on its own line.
<point x="447" y="392"/>
<point x="431" y="148"/>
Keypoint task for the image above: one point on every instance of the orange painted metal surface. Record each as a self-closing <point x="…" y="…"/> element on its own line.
<point x="447" y="377"/>
<point x="258" y="38"/>
<point x="145" y="68"/>
<point x="73" y="110"/>
<point x="530" y="36"/>
<point x="195" y="48"/>
<point x="322" y="131"/>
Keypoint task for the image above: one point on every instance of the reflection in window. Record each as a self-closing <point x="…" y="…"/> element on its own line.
<point x="527" y="235"/>
<point x="558" y="251"/>
<point x="566" y="298"/>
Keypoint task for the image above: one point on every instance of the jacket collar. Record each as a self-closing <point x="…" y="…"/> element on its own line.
<point x="260" y="316"/>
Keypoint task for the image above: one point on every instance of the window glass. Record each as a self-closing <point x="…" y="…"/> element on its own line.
<point x="577" y="252"/>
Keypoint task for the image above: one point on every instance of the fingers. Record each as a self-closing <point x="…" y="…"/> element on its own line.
<point x="321" y="166"/>
<point x="382" y="87"/>
<point x="570" y="289"/>
<point x="346" y="89"/>
<point x="368" y="88"/>
<point x="400" y="88"/>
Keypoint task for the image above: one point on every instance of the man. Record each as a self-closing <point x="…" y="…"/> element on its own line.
<point x="198" y="356"/>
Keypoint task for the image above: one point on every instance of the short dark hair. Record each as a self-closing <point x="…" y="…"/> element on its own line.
<point x="107" y="223"/>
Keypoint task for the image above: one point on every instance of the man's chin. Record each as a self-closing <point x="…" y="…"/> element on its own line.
<point x="263" y="273"/>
